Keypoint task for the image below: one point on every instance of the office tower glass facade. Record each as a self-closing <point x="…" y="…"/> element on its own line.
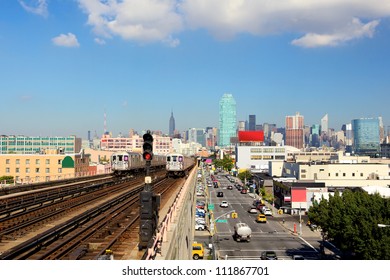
<point x="252" y="122"/>
<point x="227" y="119"/>
<point x="171" y="125"/>
<point x="366" y="138"/>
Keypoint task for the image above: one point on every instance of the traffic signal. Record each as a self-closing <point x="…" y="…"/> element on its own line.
<point x="148" y="146"/>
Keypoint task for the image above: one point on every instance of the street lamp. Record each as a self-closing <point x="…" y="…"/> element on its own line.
<point x="383" y="225"/>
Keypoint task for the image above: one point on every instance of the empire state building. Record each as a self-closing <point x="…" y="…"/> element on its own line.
<point x="171" y="125"/>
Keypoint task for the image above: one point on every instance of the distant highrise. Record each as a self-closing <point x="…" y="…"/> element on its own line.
<point x="325" y="124"/>
<point x="252" y="122"/>
<point x="171" y="125"/>
<point x="294" y="131"/>
<point x="227" y="119"/>
<point x="366" y="136"/>
<point x="241" y="125"/>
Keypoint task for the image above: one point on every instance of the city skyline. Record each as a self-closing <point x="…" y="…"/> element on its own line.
<point x="89" y="60"/>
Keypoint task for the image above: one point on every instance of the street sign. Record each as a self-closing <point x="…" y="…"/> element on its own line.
<point x="221" y="221"/>
<point x="211" y="206"/>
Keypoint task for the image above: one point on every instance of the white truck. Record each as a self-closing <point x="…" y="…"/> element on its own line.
<point x="242" y="232"/>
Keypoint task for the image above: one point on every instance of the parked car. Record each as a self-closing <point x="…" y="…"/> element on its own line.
<point x="244" y="191"/>
<point x="224" y="204"/>
<point x="268" y="212"/>
<point x="200" y="227"/>
<point x="268" y="255"/>
<point x="199" y="220"/>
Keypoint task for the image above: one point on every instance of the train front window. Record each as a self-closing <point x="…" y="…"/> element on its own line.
<point x="168" y="158"/>
<point x="120" y="157"/>
<point x="174" y="158"/>
<point x="113" y="158"/>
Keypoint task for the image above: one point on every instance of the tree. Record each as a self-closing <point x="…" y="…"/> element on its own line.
<point x="245" y="175"/>
<point x="7" y="179"/>
<point x="350" y="221"/>
<point x="226" y="163"/>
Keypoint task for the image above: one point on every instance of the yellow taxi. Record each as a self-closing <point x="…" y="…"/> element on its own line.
<point x="261" y="218"/>
<point x="197" y="251"/>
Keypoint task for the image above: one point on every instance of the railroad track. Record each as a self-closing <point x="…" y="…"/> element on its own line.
<point x="112" y="225"/>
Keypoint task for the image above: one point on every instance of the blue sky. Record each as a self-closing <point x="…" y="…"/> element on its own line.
<point x="63" y="63"/>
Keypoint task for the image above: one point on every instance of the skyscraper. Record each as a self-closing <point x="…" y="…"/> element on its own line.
<point x="366" y="137"/>
<point x="227" y="119"/>
<point x="252" y="122"/>
<point x="294" y="131"/>
<point x="171" y="125"/>
<point x="325" y="124"/>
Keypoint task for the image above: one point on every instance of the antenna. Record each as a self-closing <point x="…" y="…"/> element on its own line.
<point x="105" y="122"/>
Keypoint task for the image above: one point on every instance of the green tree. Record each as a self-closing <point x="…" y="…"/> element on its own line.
<point x="350" y="221"/>
<point x="7" y="179"/>
<point x="226" y="163"/>
<point x="245" y="175"/>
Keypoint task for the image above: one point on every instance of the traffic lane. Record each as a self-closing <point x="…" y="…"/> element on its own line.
<point x="284" y="245"/>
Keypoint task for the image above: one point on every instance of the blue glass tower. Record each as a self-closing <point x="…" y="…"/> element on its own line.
<point x="227" y="119"/>
<point x="366" y="138"/>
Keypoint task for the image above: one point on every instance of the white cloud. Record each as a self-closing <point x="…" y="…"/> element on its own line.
<point x="138" y="20"/>
<point x="316" y="22"/>
<point x="354" y="31"/>
<point x="38" y="7"/>
<point x="100" y="41"/>
<point x="66" y="40"/>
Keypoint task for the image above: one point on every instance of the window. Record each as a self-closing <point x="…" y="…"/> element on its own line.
<point x="47" y="161"/>
<point x="303" y="176"/>
<point x="17" y="161"/>
<point x="37" y="161"/>
<point x="7" y="161"/>
<point x="27" y="161"/>
<point x="37" y="170"/>
<point x="17" y="169"/>
<point x="303" y="171"/>
<point x="361" y="174"/>
<point x="353" y="174"/>
<point x="59" y="161"/>
<point x="47" y="170"/>
<point x="7" y="170"/>
<point x="343" y="174"/>
<point x="27" y="170"/>
<point x="59" y="170"/>
<point x="337" y="174"/>
<point x="322" y="170"/>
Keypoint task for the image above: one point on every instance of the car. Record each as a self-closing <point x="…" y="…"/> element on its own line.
<point x="268" y="255"/>
<point x="219" y="194"/>
<point x="244" y="191"/>
<point x="200" y="214"/>
<point x="224" y="204"/>
<point x="197" y="251"/>
<point x="261" y="218"/>
<point x="230" y="187"/>
<point x="200" y="221"/>
<point x="267" y="212"/>
<point x="298" y="257"/>
<point x="200" y="227"/>
<point x="252" y="210"/>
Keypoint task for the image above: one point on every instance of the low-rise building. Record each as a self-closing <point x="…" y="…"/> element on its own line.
<point x="34" y="168"/>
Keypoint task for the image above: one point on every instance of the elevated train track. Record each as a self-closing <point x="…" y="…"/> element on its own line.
<point x="96" y="228"/>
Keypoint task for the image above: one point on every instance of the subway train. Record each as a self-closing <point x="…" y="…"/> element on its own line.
<point x="178" y="165"/>
<point x="123" y="163"/>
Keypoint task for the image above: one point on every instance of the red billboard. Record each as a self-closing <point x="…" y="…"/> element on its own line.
<point x="251" y="136"/>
